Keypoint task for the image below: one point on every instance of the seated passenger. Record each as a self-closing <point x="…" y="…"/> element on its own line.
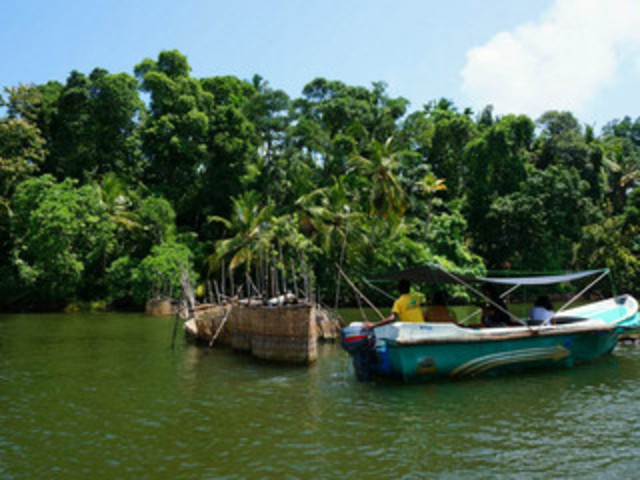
<point x="542" y="311"/>
<point x="492" y="316"/>
<point x="438" y="311"/>
<point x="405" y="309"/>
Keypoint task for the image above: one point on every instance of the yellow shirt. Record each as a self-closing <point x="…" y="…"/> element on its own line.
<point x="407" y="307"/>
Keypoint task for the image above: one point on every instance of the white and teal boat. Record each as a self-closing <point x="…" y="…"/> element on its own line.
<point x="415" y="351"/>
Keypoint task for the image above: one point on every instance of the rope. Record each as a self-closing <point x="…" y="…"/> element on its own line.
<point x="379" y="290"/>
<point x="362" y="314"/>
<point x="355" y="289"/>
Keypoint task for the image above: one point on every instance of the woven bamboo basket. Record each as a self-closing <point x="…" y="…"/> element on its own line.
<point x="286" y="333"/>
<point x="240" y="328"/>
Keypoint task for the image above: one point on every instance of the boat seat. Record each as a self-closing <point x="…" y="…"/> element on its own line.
<point x="565" y="320"/>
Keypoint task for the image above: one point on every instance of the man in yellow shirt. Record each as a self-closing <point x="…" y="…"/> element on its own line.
<point x="405" y="309"/>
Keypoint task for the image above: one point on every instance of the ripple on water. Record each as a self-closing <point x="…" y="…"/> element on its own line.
<point x="100" y="408"/>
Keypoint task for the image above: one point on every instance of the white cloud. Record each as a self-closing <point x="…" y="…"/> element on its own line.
<point x="560" y="62"/>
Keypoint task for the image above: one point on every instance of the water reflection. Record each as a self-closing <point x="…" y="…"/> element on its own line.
<point x="106" y="397"/>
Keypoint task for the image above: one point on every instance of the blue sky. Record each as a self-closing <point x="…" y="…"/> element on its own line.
<point x="522" y="56"/>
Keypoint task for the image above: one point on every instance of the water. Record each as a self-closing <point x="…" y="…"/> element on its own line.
<point x="104" y="396"/>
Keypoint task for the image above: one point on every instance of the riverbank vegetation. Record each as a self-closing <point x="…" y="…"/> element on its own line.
<point x="111" y="184"/>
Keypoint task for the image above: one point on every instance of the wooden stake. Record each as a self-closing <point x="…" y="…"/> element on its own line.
<point x="222" y="323"/>
<point x="223" y="279"/>
<point x="218" y="298"/>
<point x="295" y="282"/>
<point x="283" y="271"/>
<point x="342" y="252"/>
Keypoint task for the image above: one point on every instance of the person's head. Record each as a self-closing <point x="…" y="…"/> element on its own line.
<point x="439" y="297"/>
<point x="404" y="286"/>
<point x="544" y="302"/>
<point x="489" y="290"/>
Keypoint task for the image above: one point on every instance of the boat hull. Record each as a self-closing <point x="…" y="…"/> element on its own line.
<point x="470" y="359"/>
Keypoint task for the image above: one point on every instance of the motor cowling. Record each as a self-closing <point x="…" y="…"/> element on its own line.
<point x="360" y="343"/>
<point x="355" y="338"/>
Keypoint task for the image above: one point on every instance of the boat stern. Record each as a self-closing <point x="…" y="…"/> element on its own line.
<point x="369" y="354"/>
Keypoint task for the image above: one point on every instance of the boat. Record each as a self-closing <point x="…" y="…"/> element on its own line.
<point x="427" y="351"/>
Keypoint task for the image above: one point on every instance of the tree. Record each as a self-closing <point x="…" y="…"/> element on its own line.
<point x="562" y="142"/>
<point x="62" y="239"/>
<point x="535" y="228"/>
<point x="159" y="274"/>
<point x="613" y="244"/>
<point x="328" y="216"/>
<point x="387" y="198"/>
<point x="22" y="147"/>
<point x="196" y="138"/>
<point x="92" y="127"/>
<point x="621" y="146"/>
<point x="133" y="281"/>
<point x="441" y="141"/>
<point x="496" y="163"/>
<point x="334" y="121"/>
<point x="249" y="229"/>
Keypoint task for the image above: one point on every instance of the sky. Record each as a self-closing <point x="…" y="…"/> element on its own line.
<point x="521" y="56"/>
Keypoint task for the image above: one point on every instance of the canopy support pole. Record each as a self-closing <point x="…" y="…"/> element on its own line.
<point x="462" y="282"/>
<point x="575" y="297"/>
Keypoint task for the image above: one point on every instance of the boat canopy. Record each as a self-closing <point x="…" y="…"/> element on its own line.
<point x="434" y="274"/>
<point x="543" y="279"/>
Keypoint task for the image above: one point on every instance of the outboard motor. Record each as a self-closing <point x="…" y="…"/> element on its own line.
<point x="360" y="343"/>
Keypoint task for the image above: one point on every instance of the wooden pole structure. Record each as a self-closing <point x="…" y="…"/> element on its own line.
<point x="209" y="292"/>
<point x="222" y="282"/>
<point x="283" y="269"/>
<point x="306" y="280"/>
<point x="342" y="252"/>
<point x="295" y="281"/>
<point x="247" y="289"/>
<point x="218" y="297"/>
<point x="274" y="272"/>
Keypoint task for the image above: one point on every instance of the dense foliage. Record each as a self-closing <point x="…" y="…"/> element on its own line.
<point x="111" y="185"/>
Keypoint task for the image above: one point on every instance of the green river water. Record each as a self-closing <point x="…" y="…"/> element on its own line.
<point x="105" y="397"/>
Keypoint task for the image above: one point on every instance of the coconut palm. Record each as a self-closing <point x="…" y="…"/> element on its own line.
<point x="622" y="162"/>
<point x="387" y="198"/>
<point x="118" y="199"/>
<point x="250" y="233"/>
<point x="428" y="187"/>
<point x="327" y="215"/>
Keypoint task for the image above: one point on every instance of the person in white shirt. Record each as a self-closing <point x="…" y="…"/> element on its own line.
<point x="542" y="311"/>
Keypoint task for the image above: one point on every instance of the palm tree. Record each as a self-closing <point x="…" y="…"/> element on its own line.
<point x="428" y="187"/>
<point x="387" y="198"/>
<point x="623" y="164"/>
<point x="327" y="215"/>
<point x="249" y="227"/>
<point x="116" y="196"/>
